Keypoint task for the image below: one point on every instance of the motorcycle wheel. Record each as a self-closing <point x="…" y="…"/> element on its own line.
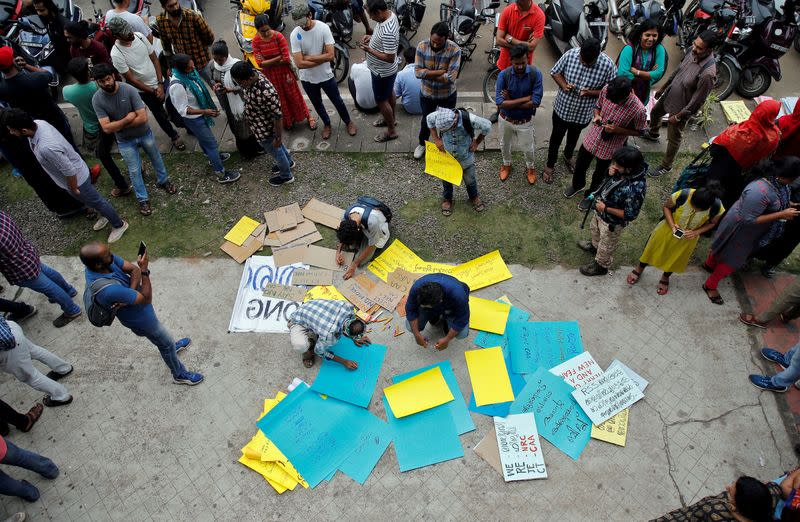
<point x="727" y="78"/>
<point x="757" y="84"/>
<point x="340" y="65"/>
<point x="275" y="14"/>
<point x="489" y="83"/>
<point x="623" y="8"/>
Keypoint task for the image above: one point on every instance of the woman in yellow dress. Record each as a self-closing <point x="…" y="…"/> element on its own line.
<point x="688" y="214"/>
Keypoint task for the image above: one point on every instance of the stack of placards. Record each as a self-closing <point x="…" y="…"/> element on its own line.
<point x="289" y="228"/>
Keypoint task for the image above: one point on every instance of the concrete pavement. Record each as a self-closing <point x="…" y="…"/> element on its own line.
<point x="134" y="446"/>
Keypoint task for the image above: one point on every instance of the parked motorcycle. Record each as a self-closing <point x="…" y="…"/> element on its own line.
<point x="338" y="14"/>
<point x="244" y="27"/>
<point x="571" y="22"/>
<point x="464" y="23"/>
<point x="625" y="14"/>
<point x="722" y="16"/>
<point x="409" y="16"/>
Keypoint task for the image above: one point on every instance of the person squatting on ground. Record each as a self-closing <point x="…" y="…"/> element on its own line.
<point x="318" y="324"/>
<point x="442" y="301"/>
<point x="364" y="229"/>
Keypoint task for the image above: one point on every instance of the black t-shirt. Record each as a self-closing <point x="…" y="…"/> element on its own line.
<point x="30" y="91"/>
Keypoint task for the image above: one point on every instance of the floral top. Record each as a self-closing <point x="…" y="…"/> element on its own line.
<point x="628" y="196"/>
<point x="261" y="108"/>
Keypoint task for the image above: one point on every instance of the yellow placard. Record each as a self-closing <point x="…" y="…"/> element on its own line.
<point x="241" y="230"/>
<point x="419" y="393"/>
<point x="397" y="255"/>
<point x="483" y="271"/>
<point x="489" y="376"/>
<point x="442" y="165"/>
<point x="324" y="292"/>
<point x="266" y="470"/>
<point x="432" y="268"/>
<point x="614" y="430"/>
<point x="488" y="316"/>
<point x="735" y="111"/>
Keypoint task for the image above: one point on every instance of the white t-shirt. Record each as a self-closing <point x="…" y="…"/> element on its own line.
<point x="135" y="20"/>
<point x="362" y="79"/>
<point x="136" y="58"/>
<point x="312" y="43"/>
<point x="377" y="229"/>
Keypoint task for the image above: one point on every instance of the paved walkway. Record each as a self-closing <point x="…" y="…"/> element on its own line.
<point x="133" y="446"/>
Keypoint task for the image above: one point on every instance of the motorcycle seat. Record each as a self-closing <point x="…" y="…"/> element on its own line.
<point x="708" y="6"/>
<point x="572" y="11"/>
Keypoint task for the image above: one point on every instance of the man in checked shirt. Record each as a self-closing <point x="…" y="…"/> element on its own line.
<point x="183" y="31"/>
<point x="318" y="324"/>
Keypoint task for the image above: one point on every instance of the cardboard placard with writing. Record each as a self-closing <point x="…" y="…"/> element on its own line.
<point x="401" y="280"/>
<point x="251" y="245"/>
<point x="326" y="258"/>
<point x="356" y="294"/>
<point x="289" y="256"/>
<point x="287" y="292"/>
<point x="365" y="281"/>
<point x="384" y="295"/>
<point x="312" y="277"/>
<point x="323" y="213"/>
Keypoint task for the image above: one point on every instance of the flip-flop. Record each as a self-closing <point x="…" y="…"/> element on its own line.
<point x="663" y="286"/>
<point x="635" y="274"/>
<point x="717" y="300"/>
<point x="312" y="123"/>
<point x="380" y="122"/>
<point x="479" y="206"/>
<point x="447" y="208"/>
<point x="326" y="132"/>
<point x="383" y="138"/>
<point x="117" y="192"/>
<point x="308" y="359"/>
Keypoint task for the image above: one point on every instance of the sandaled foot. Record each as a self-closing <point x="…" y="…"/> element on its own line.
<point x="308" y="359"/>
<point x="117" y="192"/>
<point x="380" y="122"/>
<point x="312" y="123"/>
<point x="179" y="144"/>
<point x="547" y="175"/>
<point x="750" y="320"/>
<point x="634" y="276"/>
<point x="351" y="128"/>
<point x="447" y="207"/>
<point x="90" y="213"/>
<point x="570" y="163"/>
<point x="383" y="138"/>
<point x="477" y="205"/>
<point x="326" y="132"/>
<point x="32" y="416"/>
<point x="168" y="187"/>
<point x="713" y="295"/>
<point x="663" y="286"/>
<point x="144" y="208"/>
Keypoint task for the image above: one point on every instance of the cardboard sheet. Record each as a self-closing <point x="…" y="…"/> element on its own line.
<point x="489" y="376"/>
<point x="419" y="393"/>
<point x="489" y="316"/>
<point x="313" y="277"/>
<point x="356" y="294"/>
<point x="323" y="213"/>
<point x="287" y="292"/>
<point x="289" y="256"/>
<point x="303" y="229"/>
<point x="241" y="230"/>
<point x="401" y="280"/>
<point x="353" y="386"/>
<point x="384" y="295"/>
<point x="250" y="246"/>
<point x="326" y="258"/>
<point x="283" y="218"/>
<point x="488" y="450"/>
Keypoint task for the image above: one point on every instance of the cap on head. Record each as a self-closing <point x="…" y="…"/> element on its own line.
<point x="6" y="57"/>
<point x="120" y="27"/>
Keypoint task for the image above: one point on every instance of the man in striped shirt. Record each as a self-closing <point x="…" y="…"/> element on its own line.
<point x="381" y="49"/>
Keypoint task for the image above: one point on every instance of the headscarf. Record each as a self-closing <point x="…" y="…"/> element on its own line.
<point x="235" y="101"/>
<point x="120" y="27"/>
<point x="643" y="60"/>
<point x="445" y="118"/>
<point x="195" y="84"/>
<point x="754" y="139"/>
<point x="790" y="134"/>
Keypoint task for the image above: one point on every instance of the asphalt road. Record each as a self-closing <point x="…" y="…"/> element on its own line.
<point x="221" y="13"/>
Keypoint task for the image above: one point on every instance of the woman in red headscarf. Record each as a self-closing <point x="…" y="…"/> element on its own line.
<point x="741" y="146"/>
<point x="790" y="134"/>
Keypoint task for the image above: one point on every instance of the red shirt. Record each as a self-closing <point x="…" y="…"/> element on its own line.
<point x="520" y="25"/>
<point x="96" y="52"/>
<point x="3" y="449"/>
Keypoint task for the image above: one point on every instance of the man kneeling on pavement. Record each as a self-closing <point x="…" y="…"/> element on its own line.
<point x="442" y="301"/>
<point x="318" y="324"/>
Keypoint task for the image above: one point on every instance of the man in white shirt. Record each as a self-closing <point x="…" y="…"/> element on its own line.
<point x="122" y="10"/>
<point x="360" y="84"/>
<point x="312" y="50"/>
<point x="365" y="227"/>
<point x="134" y="58"/>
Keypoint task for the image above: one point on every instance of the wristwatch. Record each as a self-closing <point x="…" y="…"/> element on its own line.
<point x="510" y="39"/>
<point x="146" y="272"/>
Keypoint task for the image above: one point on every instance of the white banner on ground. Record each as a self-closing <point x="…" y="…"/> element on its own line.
<point x="254" y="312"/>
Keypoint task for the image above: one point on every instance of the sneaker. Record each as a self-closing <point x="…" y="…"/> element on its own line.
<point x="593" y="269"/>
<point x="658" y="172"/>
<point x="64" y="319"/>
<point x="646" y="135"/>
<point x="116" y="233"/>
<point x="100" y="224"/>
<point x="571" y="191"/>
<point x="182" y="344"/>
<point x="17" y="318"/>
<point x="765" y="383"/>
<point x="71" y="293"/>
<point x="223" y="156"/>
<point x="277" y="181"/>
<point x="229" y="177"/>
<point x="276" y="169"/>
<point x="188" y="378"/>
<point x="587" y="246"/>
<point x="774" y="356"/>
<point x="419" y="151"/>
<point x="584" y="204"/>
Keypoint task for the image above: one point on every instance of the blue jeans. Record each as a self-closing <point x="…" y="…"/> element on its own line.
<point x="55" y="287"/>
<point x="469" y="181"/>
<point x="425" y="317"/>
<point x="22" y="458"/>
<point x="314" y="91"/>
<point x="161" y="337"/>
<point x="129" y="150"/>
<point x="281" y="156"/>
<point x="200" y="129"/>
<point x="92" y="199"/>
<point x="791" y="374"/>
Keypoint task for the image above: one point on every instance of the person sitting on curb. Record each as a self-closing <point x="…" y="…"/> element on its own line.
<point x="365" y="228"/>
<point x="318" y="324"/>
<point x="407" y="86"/>
<point x="786" y="306"/>
<point x="130" y="297"/>
<point x="455" y="131"/>
<point x="616" y="203"/>
<point x="441" y="300"/>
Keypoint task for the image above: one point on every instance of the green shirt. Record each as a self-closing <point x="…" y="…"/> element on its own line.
<point x="80" y="95"/>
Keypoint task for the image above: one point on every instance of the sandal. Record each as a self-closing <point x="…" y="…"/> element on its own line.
<point x="351" y="128"/>
<point x="90" y="213"/>
<point x="750" y="320"/>
<point x="312" y="123"/>
<point x="717" y="299"/>
<point x="477" y="205"/>
<point x="547" y="175"/>
<point x="168" y="187"/>
<point x="663" y="286"/>
<point x="179" y="144"/>
<point x="117" y="192"/>
<point x="308" y="359"/>
<point x="383" y="138"/>
<point x="326" y="132"/>
<point x="144" y="208"/>
<point x="633" y="277"/>
<point x="447" y="207"/>
<point x="33" y="416"/>
<point x="380" y="122"/>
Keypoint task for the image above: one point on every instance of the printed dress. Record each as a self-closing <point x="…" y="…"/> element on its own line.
<point x="282" y="77"/>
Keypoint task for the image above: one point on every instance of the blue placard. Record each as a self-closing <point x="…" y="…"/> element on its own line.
<point x="353" y="386"/>
<point x="542" y="344"/>
<point x="371" y="446"/>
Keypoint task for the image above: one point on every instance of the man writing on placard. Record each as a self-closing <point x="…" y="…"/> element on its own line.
<point x="365" y="228"/>
<point x="440" y="300"/>
<point x="318" y="324"/>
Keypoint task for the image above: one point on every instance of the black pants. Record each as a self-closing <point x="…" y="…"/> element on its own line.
<point x="15" y="308"/>
<point x="582" y="163"/>
<point x="428" y="106"/>
<point x="156" y="106"/>
<point x="331" y="90"/>
<point x="727" y="172"/>
<point x="560" y="128"/>
<point x="103" y="153"/>
<point x="780" y="248"/>
<point x="9" y="415"/>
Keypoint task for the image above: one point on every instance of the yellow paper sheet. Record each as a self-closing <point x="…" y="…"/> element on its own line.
<point x="419" y="393"/>
<point x="241" y="230"/>
<point x="488" y="316"/>
<point x="735" y="111"/>
<point x="324" y="292"/>
<point x="265" y="469"/>
<point x="397" y="255"/>
<point x="483" y="271"/>
<point x="614" y="430"/>
<point x="489" y="376"/>
<point x="442" y="165"/>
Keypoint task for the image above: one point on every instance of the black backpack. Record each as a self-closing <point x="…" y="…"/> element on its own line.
<point x="466" y="122"/>
<point x="369" y="203"/>
<point x="684" y="196"/>
<point x="98" y="314"/>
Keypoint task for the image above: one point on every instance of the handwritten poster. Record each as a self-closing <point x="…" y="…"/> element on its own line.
<point x="482" y="271"/>
<point x="252" y="311"/>
<point x="614" y="430"/>
<point x="287" y="292"/>
<point x="520" y="450"/>
<point x="395" y="256"/>
<point x="559" y="418"/>
<point x="356" y="294"/>
<point x="578" y="371"/>
<point x="313" y="277"/>
<point x="324" y="292"/>
<point x="384" y="295"/>
<point x="542" y="344"/>
<point x="353" y="386"/>
<point x="442" y="165"/>
<point x="401" y="280"/>
<point x="371" y="446"/>
<point x="735" y="110"/>
<point x="635" y="377"/>
<point x="610" y="394"/>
